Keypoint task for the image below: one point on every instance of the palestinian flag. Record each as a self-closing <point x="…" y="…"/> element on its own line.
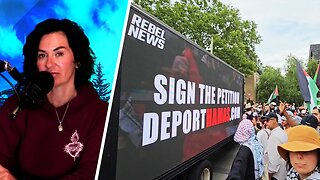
<point x="307" y="86"/>
<point x="273" y="95"/>
<point x="316" y="79"/>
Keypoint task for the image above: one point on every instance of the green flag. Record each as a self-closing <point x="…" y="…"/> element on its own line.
<point x="313" y="89"/>
<point x="316" y="79"/>
<point x="273" y="95"/>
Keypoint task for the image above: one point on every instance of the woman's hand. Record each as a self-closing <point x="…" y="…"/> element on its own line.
<point x="5" y="174"/>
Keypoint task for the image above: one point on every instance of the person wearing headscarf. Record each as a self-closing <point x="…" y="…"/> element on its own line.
<point x="302" y="153"/>
<point x="248" y="163"/>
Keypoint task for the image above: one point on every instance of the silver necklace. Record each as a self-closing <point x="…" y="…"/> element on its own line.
<point x="60" y="127"/>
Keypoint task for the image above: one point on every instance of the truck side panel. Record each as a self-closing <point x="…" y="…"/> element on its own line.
<point x="175" y="100"/>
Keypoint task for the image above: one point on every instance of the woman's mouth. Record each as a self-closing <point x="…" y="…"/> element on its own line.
<point x="54" y="74"/>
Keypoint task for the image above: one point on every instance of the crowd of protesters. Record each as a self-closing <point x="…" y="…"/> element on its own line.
<point x="277" y="142"/>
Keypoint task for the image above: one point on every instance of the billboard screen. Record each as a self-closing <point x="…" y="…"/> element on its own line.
<point x="175" y="101"/>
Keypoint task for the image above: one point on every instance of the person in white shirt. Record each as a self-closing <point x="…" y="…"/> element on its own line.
<point x="276" y="165"/>
<point x="263" y="136"/>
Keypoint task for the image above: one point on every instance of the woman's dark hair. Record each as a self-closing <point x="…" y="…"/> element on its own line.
<point x="79" y="43"/>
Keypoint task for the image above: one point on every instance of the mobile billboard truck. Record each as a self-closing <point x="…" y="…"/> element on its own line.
<point x="174" y="106"/>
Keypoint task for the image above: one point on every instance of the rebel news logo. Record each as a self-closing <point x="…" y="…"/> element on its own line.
<point x="145" y="31"/>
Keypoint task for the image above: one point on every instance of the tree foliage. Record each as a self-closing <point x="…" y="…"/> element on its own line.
<point x="101" y="87"/>
<point x="288" y="86"/>
<point x="233" y="39"/>
<point x="312" y="67"/>
<point x="292" y="91"/>
<point x="269" y="79"/>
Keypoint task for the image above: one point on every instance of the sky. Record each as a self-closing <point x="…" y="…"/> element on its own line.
<point x="286" y="26"/>
<point x="102" y="21"/>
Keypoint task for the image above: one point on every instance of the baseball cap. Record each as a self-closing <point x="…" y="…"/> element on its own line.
<point x="248" y="106"/>
<point x="310" y="120"/>
<point x="301" y="138"/>
<point x="272" y="115"/>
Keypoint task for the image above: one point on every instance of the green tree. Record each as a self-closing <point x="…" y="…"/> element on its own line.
<point x="101" y="87"/>
<point x="269" y="79"/>
<point x="312" y="66"/>
<point x="292" y="90"/>
<point x="211" y="25"/>
<point x="288" y="85"/>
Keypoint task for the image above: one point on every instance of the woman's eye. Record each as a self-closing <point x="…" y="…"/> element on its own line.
<point x="58" y="54"/>
<point x="41" y="56"/>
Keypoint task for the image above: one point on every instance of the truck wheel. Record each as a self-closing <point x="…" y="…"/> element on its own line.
<point x="201" y="171"/>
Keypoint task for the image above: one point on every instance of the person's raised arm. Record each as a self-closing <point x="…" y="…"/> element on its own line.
<point x="282" y="110"/>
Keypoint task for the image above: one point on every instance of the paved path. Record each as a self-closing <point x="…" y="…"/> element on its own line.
<point x="223" y="160"/>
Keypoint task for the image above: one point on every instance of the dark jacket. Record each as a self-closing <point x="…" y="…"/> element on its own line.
<point x="243" y="165"/>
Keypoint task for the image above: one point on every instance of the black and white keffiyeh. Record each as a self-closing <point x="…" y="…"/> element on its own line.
<point x="293" y="175"/>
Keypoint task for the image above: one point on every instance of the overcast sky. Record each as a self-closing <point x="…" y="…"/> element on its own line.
<point x="286" y="26"/>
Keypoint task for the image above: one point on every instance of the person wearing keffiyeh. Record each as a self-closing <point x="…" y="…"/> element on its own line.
<point x="246" y="137"/>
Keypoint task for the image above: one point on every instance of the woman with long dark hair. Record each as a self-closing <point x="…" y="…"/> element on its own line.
<point x="61" y="138"/>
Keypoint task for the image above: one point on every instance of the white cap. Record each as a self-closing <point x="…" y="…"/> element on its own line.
<point x="290" y="113"/>
<point x="248" y="106"/>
